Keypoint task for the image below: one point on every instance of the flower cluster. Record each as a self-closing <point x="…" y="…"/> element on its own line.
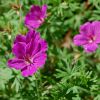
<point x="89" y="36"/>
<point x="30" y="50"/>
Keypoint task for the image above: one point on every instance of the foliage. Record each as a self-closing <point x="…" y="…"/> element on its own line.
<point x="69" y="73"/>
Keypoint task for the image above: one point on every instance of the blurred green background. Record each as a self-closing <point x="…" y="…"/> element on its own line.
<point x="69" y="73"/>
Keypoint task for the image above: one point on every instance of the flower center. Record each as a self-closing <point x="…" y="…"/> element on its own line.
<point x="41" y="20"/>
<point x="91" y="39"/>
<point x="28" y="60"/>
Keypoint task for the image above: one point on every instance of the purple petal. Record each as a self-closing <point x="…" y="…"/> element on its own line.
<point x="28" y="71"/>
<point x="39" y="60"/>
<point x="40" y="47"/>
<point x="80" y="40"/>
<point x="16" y="63"/>
<point x="32" y="47"/>
<point x="90" y="47"/>
<point x="96" y="27"/>
<point x="32" y="35"/>
<point x="35" y="45"/>
<point x="19" y="50"/>
<point x="86" y="29"/>
<point x="33" y="23"/>
<point x="31" y="17"/>
<point x="35" y="9"/>
<point x="44" y="45"/>
<point x="96" y="30"/>
<point x="25" y="72"/>
<point x="20" y="38"/>
<point x="32" y="69"/>
<point x="44" y="10"/>
<point x="97" y="39"/>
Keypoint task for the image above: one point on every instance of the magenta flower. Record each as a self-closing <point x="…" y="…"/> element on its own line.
<point x="30" y="53"/>
<point x="35" y="17"/>
<point x="89" y="36"/>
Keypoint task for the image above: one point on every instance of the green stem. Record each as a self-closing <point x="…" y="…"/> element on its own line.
<point x="37" y="87"/>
